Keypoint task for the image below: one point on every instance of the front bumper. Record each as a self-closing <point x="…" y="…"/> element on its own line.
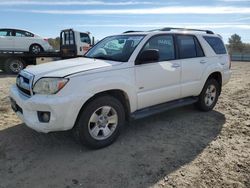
<point x="64" y="110"/>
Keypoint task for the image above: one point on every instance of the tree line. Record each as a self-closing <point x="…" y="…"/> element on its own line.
<point x="236" y="46"/>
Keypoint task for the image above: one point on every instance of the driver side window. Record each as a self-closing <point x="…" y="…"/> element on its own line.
<point x="164" y="44"/>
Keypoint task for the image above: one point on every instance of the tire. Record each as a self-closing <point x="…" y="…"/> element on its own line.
<point x="35" y="49"/>
<point x="209" y="95"/>
<point x="13" y="66"/>
<point x="92" y="126"/>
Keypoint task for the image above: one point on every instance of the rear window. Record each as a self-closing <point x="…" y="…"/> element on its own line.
<point x="216" y="44"/>
<point x="189" y="47"/>
<point x="67" y="37"/>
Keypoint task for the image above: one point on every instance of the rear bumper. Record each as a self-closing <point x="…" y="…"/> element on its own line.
<point x="64" y="111"/>
<point x="226" y="77"/>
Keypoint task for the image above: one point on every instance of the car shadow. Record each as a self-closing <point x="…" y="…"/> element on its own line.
<point x="148" y="150"/>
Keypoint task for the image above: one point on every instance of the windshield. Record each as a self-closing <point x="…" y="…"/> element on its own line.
<point x="115" y="48"/>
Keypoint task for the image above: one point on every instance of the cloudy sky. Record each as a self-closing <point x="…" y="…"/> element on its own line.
<point x="107" y="17"/>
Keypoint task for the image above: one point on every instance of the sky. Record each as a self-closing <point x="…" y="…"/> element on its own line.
<point x="108" y="17"/>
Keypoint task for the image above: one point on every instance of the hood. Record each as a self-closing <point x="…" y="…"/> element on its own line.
<point x="63" y="68"/>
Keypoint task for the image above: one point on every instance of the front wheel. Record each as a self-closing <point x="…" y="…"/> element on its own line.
<point x="209" y="95"/>
<point x="100" y="122"/>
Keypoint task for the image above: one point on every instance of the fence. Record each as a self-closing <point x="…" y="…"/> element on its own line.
<point x="240" y="57"/>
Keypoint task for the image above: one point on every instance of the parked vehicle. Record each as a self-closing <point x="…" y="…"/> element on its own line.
<point x="127" y="76"/>
<point x="75" y="43"/>
<point x="21" y="40"/>
<point x="13" y="60"/>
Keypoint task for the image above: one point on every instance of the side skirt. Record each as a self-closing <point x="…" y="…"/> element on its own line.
<point x="162" y="107"/>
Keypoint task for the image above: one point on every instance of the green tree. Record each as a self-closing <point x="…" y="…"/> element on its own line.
<point x="235" y="44"/>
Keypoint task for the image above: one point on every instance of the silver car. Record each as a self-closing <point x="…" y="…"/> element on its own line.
<point x="24" y="41"/>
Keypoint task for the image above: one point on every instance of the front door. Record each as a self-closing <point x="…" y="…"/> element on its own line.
<point x="158" y="82"/>
<point x="6" y="40"/>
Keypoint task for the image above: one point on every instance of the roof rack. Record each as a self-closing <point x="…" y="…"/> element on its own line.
<point x="185" y="29"/>
<point x="130" y="31"/>
<point x="173" y="28"/>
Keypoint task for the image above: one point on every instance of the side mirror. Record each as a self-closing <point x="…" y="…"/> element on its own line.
<point x="148" y="56"/>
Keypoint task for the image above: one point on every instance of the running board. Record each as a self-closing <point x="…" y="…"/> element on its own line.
<point x="162" y="107"/>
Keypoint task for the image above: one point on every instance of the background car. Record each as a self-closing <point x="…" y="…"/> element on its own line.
<point x="20" y="40"/>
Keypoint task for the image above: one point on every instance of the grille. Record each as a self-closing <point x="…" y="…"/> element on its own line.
<point x="24" y="82"/>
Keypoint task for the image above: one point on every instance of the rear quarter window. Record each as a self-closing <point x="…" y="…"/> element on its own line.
<point x="216" y="44"/>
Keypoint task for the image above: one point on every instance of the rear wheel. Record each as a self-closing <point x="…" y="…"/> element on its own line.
<point x="100" y="122"/>
<point x="209" y="95"/>
<point x="13" y="66"/>
<point x="35" y="49"/>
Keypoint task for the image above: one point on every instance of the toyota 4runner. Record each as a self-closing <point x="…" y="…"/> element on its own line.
<point x="126" y="76"/>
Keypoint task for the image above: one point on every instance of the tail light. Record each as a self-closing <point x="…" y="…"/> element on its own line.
<point x="46" y="40"/>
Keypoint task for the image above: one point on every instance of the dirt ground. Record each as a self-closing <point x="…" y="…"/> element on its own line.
<point x="178" y="148"/>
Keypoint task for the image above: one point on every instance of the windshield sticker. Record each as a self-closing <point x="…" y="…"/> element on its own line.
<point x="166" y="42"/>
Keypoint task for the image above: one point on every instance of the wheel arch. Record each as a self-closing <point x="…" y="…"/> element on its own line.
<point x="119" y="94"/>
<point x="36" y="44"/>
<point x="217" y="75"/>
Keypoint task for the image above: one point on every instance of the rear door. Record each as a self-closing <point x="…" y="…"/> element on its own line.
<point x="6" y="40"/>
<point x="193" y="64"/>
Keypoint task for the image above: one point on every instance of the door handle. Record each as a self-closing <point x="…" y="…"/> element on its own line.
<point x="175" y="66"/>
<point x="202" y="62"/>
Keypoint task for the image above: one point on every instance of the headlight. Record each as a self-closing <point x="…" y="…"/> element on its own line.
<point x="49" y="86"/>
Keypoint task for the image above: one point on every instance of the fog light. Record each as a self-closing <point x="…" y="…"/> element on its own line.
<point x="43" y="117"/>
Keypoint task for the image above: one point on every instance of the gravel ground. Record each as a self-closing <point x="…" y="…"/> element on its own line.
<point x="179" y="148"/>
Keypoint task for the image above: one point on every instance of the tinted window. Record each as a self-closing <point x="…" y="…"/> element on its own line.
<point x="23" y="34"/>
<point x="5" y="32"/>
<point x="28" y="34"/>
<point x="186" y="46"/>
<point x="165" y="45"/>
<point x="85" y="38"/>
<point x="217" y="44"/>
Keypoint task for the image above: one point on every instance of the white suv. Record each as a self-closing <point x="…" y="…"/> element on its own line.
<point x="20" y="40"/>
<point x="122" y="77"/>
